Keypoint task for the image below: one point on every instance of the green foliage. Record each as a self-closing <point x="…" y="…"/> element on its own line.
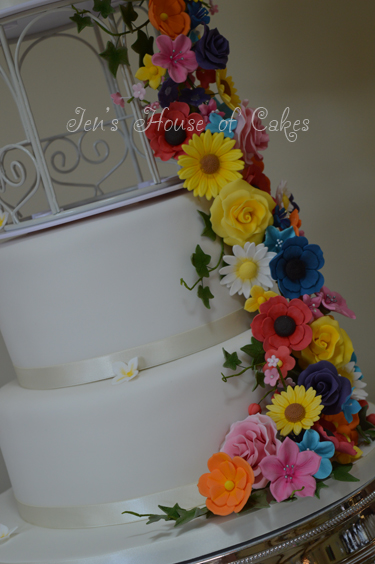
<point x="319" y="486"/>
<point x="207" y="231"/>
<point x="175" y="513"/>
<point x="256" y="351"/>
<point x="103" y="7"/>
<point x="341" y="472"/>
<point x="204" y="293"/>
<point x="258" y="500"/>
<point x="143" y="45"/>
<point x="259" y="380"/>
<point x="129" y="15"/>
<point x="200" y="261"/>
<point x="81" y="21"/>
<point x="231" y="360"/>
<point x="115" y="56"/>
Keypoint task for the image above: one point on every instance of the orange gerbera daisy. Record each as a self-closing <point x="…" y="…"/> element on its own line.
<point x="228" y="485"/>
<point x="169" y="17"/>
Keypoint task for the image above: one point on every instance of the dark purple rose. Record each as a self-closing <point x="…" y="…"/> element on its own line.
<point x="326" y="381"/>
<point x="212" y="50"/>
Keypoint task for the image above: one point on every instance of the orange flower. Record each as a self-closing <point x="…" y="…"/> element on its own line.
<point x="169" y="17"/>
<point x="295" y="221"/>
<point x="228" y="486"/>
<point x="343" y="427"/>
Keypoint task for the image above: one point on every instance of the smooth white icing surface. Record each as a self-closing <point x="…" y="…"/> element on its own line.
<point x="99" y="443"/>
<point x="106" y="284"/>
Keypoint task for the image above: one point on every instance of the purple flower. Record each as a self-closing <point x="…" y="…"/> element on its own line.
<point x="168" y="93"/>
<point x="194" y="96"/>
<point x="212" y="50"/>
<point x="325" y="380"/>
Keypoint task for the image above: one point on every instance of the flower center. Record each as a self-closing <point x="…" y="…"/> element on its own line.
<point x="227" y="89"/>
<point x="247" y="270"/>
<point x="210" y="164"/>
<point x="175" y="135"/>
<point x="153" y="71"/>
<point x="229" y="485"/>
<point x="295" y="412"/>
<point x="295" y="269"/>
<point x="284" y="326"/>
<point x="163" y="16"/>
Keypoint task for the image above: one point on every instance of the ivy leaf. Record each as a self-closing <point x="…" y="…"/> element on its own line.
<point x="81" y="21"/>
<point x="115" y="57"/>
<point x="259" y="380"/>
<point x="200" y="261"/>
<point x="205" y="295"/>
<point x="319" y="486"/>
<point x="365" y="425"/>
<point x="259" y="499"/>
<point x="256" y="351"/>
<point x="186" y="516"/>
<point x="171" y="512"/>
<point x="143" y="45"/>
<point x="103" y="7"/>
<point x="129" y="15"/>
<point x="341" y="472"/>
<point x="231" y="360"/>
<point x="207" y="231"/>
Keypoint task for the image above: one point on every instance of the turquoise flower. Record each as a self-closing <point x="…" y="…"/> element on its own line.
<point x="219" y="125"/>
<point x="325" y="449"/>
<point x="350" y="407"/>
<point x="275" y="238"/>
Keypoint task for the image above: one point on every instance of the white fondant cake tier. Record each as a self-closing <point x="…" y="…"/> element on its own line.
<point x="99" y="286"/>
<point x="99" y="443"/>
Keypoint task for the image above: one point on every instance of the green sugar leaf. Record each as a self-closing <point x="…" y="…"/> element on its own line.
<point x="103" y="7"/>
<point x="205" y="295"/>
<point x="200" y="262"/>
<point x="115" y="57"/>
<point x="81" y="21"/>
<point x="186" y="516"/>
<point x="259" y="380"/>
<point x="319" y="486"/>
<point x="143" y="45"/>
<point x="231" y="360"/>
<point x="207" y="231"/>
<point x="341" y="472"/>
<point x="129" y="15"/>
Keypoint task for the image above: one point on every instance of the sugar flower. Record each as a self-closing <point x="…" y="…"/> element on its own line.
<point x="271" y="376"/>
<point x="335" y="302"/>
<point x="295" y="221"/>
<point x="228" y="485"/>
<point x="3" y="218"/>
<point x="313" y="302"/>
<point x="217" y="124"/>
<point x="275" y="238"/>
<point x="342" y="426"/>
<point x="150" y="72"/>
<point x="282" y="323"/>
<point x="252" y="439"/>
<point x="279" y="358"/>
<point x="5" y="532"/>
<point x="227" y="90"/>
<point x="207" y="109"/>
<point x="254" y="408"/>
<point x="247" y="267"/>
<point x="329" y="342"/>
<point x="295" y="409"/>
<point x="327" y="431"/>
<point x="281" y="219"/>
<point x="138" y="91"/>
<point x="296" y="268"/>
<point x="194" y="96"/>
<point x="251" y="136"/>
<point x="198" y="14"/>
<point x="258" y="297"/>
<point x="206" y="77"/>
<point x="344" y="458"/>
<point x="325" y="449"/>
<point x="214" y="8"/>
<point x="175" y="56"/>
<point x="168" y="93"/>
<point x="241" y="213"/>
<point x="253" y="174"/>
<point x="354" y="375"/>
<point x="125" y="372"/>
<point x="212" y="50"/>
<point x="333" y="388"/>
<point x="291" y="471"/>
<point x="118" y="99"/>
<point x="350" y="407"/>
<point x="169" y="17"/>
<point x="209" y="164"/>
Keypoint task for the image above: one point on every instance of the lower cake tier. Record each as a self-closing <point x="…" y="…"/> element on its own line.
<point x="129" y="446"/>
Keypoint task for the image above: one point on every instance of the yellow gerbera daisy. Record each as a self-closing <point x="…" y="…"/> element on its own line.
<point x="295" y="409"/>
<point x="227" y="91"/>
<point x="150" y="72"/>
<point x="210" y="163"/>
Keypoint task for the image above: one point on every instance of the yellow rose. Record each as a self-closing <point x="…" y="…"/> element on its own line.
<point x="241" y="213"/>
<point x="329" y="342"/>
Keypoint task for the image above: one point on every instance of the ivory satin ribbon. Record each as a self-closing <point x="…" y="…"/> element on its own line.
<point x="149" y="355"/>
<point x="106" y="514"/>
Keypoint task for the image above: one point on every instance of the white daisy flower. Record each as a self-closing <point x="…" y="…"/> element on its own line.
<point x="5" y="532"/>
<point x="355" y="377"/>
<point x="247" y="267"/>
<point x="125" y="372"/>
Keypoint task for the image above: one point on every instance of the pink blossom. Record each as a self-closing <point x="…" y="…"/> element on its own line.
<point x="118" y="99"/>
<point x="279" y="357"/>
<point x="175" y="56"/>
<point x="207" y="109"/>
<point x="291" y="470"/>
<point x="313" y="303"/>
<point x="250" y="134"/>
<point x="139" y="91"/>
<point x="253" y="439"/>
<point x="271" y="376"/>
<point x="152" y="107"/>
<point x="335" y="302"/>
<point x="214" y="8"/>
<point x="288" y="382"/>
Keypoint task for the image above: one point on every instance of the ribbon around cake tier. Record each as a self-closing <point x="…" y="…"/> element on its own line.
<point x="149" y="355"/>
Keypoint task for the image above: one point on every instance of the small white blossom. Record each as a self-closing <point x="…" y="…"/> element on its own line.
<point x="273" y="361"/>
<point x="125" y="372"/>
<point x="5" y="532"/>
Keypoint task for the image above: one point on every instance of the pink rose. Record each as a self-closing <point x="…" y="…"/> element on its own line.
<point x="250" y="135"/>
<point x="252" y="439"/>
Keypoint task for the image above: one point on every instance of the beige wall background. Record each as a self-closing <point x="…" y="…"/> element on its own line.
<point x="315" y="58"/>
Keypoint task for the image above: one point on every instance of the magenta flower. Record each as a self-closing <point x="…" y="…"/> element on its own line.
<point x="118" y="99"/>
<point x="335" y="302"/>
<point x="207" y="109"/>
<point x="313" y="304"/>
<point x="291" y="470"/>
<point x="175" y="56"/>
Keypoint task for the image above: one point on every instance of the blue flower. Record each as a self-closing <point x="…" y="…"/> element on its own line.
<point x="350" y="407"/>
<point x="194" y="96"/>
<point x="280" y="218"/>
<point x="274" y="238"/>
<point x="219" y="125"/>
<point x="325" y="449"/>
<point x="198" y="14"/>
<point x="168" y="93"/>
<point x="296" y="268"/>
